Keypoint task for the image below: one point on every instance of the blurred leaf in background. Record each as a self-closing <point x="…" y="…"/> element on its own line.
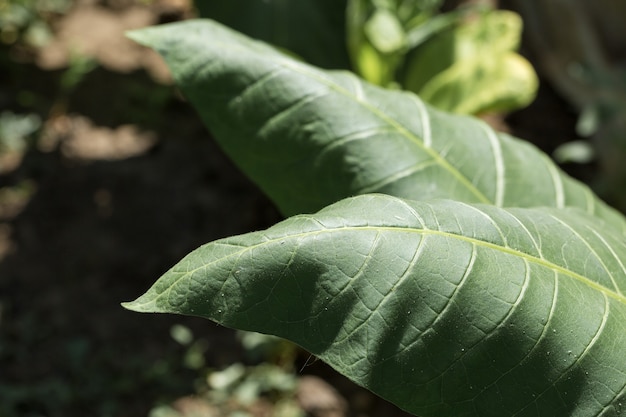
<point x="311" y="29"/>
<point x="15" y="129"/>
<point x="463" y="61"/>
<point x="472" y="67"/>
<point x="238" y="389"/>
<point x="380" y="32"/>
<point x="28" y="20"/>
<point x="580" y="49"/>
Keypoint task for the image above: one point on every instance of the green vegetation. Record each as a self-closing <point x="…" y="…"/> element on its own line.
<point x="462" y="61"/>
<point x="27" y="20"/>
<point x="93" y="136"/>
<point x="468" y="277"/>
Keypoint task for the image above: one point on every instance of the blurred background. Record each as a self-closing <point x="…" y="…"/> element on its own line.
<point x="107" y="178"/>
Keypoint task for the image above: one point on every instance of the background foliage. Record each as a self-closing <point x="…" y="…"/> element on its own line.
<point x="74" y="195"/>
<point x="418" y="299"/>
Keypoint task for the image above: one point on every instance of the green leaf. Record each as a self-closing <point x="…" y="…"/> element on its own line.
<point x="474" y="86"/>
<point x="444" y="308"/>
<point x="423" y="31"/>
<point x="308" y="28"/>
<point x="379" y="34"/>
<point x="479" y="70"/>
<point x="310" y="137"/>
<point x="385" y="32"/>
<point x="375" y="39"/>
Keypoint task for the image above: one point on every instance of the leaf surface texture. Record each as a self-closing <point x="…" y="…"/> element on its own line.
<point x="444" y="308"/>
<point x="310" y="137"/>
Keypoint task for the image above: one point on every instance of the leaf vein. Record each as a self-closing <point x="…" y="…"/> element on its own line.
<point x="498" y="159"/>
<point x="511" y="251"/>
<point x="404" y="131"/>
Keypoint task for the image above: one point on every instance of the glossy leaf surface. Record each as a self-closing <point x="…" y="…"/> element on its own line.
<point x="444" y="308"/>
<point x="310" y="137"/>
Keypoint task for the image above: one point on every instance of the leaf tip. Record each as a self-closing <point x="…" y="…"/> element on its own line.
<point x="138" y="35"/>
<point x="140" y="306"/>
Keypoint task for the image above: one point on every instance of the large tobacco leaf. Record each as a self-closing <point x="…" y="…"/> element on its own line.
<point x="442" y="307"/>
<point x="310" y="137"/>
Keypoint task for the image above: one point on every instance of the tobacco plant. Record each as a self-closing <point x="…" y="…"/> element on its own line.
<point x="448" y="268"/>
<point x="462" y="61"/>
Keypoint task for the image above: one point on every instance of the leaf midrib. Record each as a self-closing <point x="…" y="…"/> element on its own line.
<point x="422" y="232"/>
<point x="403" y="131"/>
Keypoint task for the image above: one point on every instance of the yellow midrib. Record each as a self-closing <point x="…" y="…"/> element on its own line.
<point x="422" y="232"/>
